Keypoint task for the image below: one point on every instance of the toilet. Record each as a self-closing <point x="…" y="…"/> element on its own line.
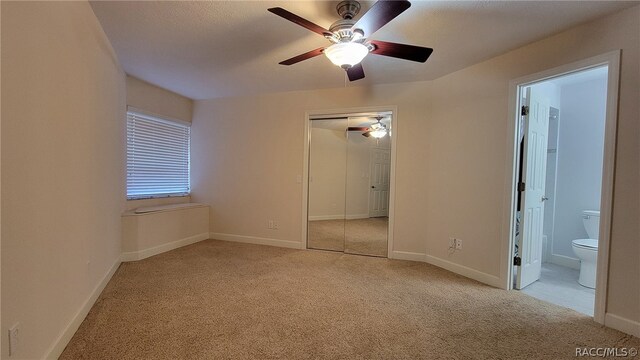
<point x="587" y="249"/>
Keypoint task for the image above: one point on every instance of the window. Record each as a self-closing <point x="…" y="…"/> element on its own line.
<point x="157" y="156"/>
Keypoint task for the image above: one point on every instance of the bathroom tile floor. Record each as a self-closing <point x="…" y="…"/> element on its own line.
<point x="559" y="285"/>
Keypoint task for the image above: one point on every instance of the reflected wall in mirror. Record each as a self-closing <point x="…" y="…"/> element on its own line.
<point x="349" y="178"/>
<point x="327" y="174"/>
<point x="367" y="198"/>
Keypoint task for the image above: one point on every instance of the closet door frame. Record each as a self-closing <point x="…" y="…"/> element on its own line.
<point x="304" y="178"/>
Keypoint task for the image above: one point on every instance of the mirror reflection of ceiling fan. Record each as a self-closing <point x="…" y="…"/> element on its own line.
<point x="377" y="130"/>
<point x="350" y="38"/>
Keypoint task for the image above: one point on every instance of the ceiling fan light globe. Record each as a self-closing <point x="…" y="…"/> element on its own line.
<point x="346" y="54"/>
<point x="379" y="133"/>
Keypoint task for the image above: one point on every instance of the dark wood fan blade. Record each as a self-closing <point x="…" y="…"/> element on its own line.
<point x="401" y="51"/>
<point x="305" y="56"/>
<point x="356" y="72"/>
<point x="380" y="14"/>
<point x="366" y="134"/>
<point x="298" y="20"/>
<point x="357" y="128"/>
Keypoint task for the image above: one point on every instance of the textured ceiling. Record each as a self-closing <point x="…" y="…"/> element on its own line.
<point x="226" y="48"/>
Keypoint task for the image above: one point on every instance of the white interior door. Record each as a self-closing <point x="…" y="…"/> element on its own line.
<point x="379" y="182"/>
<point x="534" y="174"/>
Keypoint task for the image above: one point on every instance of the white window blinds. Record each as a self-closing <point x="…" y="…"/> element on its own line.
<point x="157" y="157"/>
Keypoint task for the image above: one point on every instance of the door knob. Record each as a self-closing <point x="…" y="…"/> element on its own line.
<point x="373" y="187"/>
<point x="544" y="198"/>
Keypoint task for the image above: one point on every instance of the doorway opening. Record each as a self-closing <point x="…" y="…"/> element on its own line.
<point x="562" y="174"/>
<point x="349" y="182"/>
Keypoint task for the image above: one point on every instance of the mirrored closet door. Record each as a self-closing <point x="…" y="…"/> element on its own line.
<point x="327" y="184"/>
<point x="349" y="175"/>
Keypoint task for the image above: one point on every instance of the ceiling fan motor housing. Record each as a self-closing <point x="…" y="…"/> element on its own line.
<point x="348" y="9"/>
<point x="342" y="30"/>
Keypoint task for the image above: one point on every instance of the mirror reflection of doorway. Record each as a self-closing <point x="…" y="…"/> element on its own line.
<point x="349" y="178"/>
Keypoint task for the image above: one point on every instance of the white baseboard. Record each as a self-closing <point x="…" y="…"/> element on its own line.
<point x="257" y="240"/>
<point x="565" y="261"/>
<point x="143" y="254"/>
<point x="465" y="271"/>
<point x="338" y="217"/>
<point x="405" y="255"/>
<point x="357" y="216"/>
<point x="326" y="217"/>
<point x="448" y="265"/>
<point x="622" y="324"/>
<point x="61" y="342"/>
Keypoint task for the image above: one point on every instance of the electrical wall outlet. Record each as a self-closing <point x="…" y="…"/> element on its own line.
<point x="14" y="333"/>
<point x="270" y="224"/>
<point x="275" y="225"/>
<point x="455" y="244"/>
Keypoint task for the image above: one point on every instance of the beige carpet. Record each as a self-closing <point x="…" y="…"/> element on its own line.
<point x="358" y="236"/>
<point x="223" y="300"/>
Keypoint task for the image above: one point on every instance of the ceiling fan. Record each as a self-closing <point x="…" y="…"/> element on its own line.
<point x="350" y="38"/>
<point x="377" y="130"/>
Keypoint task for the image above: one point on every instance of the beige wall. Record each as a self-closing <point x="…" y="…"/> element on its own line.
<point x="142" y="233"/>
<point x="156" y="100"/>
<point x="467" y="101"/>
<point x="327" y="174"/>
<point x="134" y="204"/>
<point x="1" y="342"/>
<point x="246" y="168"/>
<point x="62" y="167"/>
<point x="358" y="159"/>
<point x="451" y="169"/>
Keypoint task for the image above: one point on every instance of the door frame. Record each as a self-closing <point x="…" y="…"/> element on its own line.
<point x="612" y="60"/>
<point x="393" y="109"/>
